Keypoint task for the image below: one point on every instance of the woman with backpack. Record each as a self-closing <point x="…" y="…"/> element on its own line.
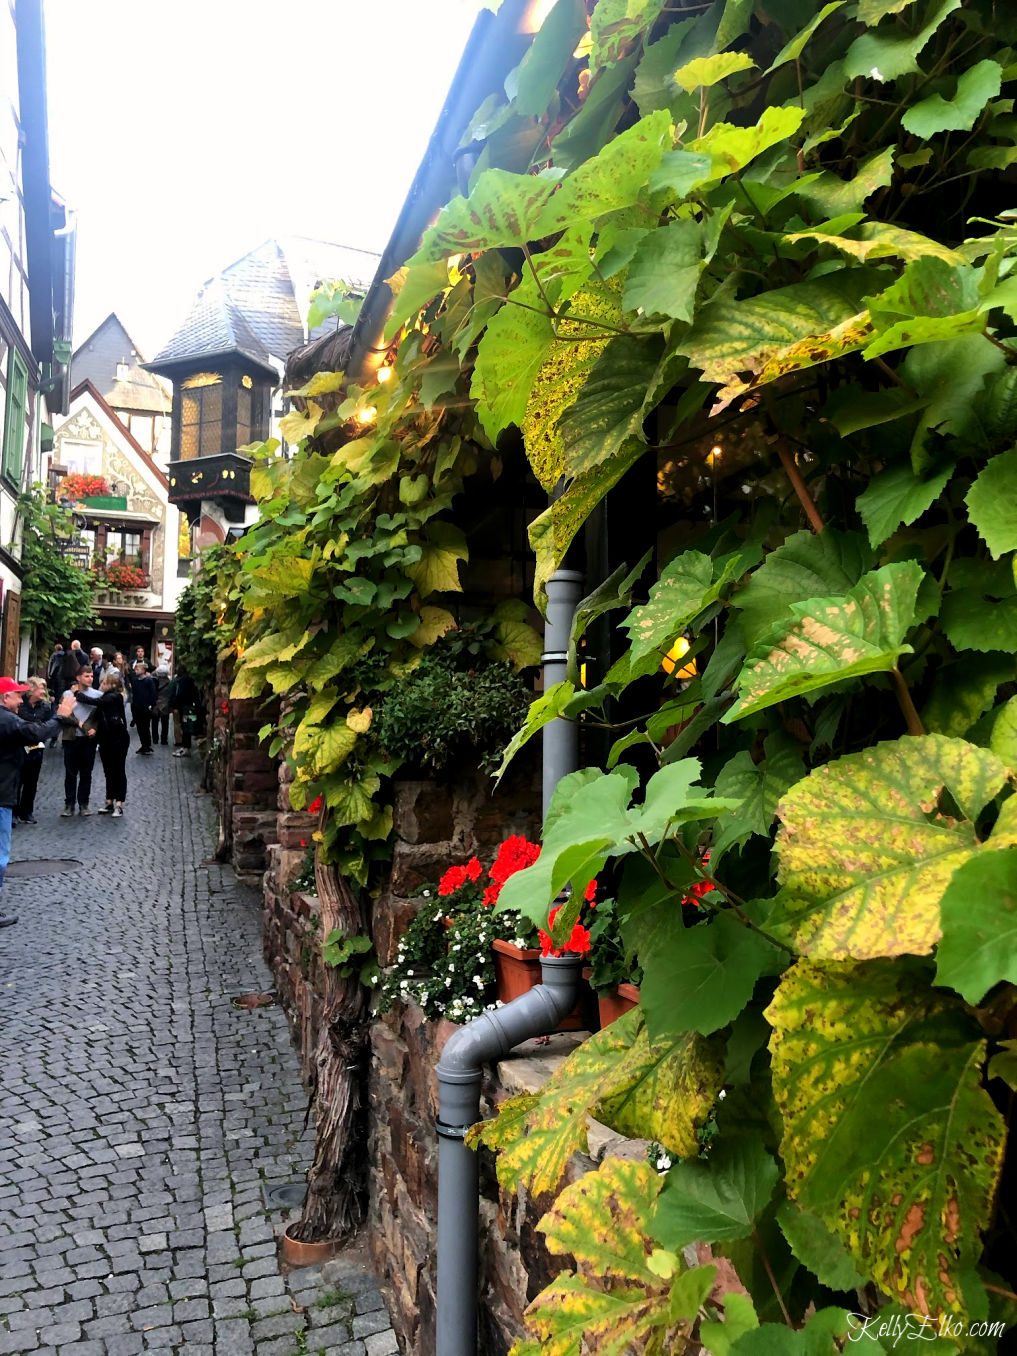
<point x="114" y="739"/>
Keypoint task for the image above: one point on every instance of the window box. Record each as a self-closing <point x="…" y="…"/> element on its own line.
<point x="106" y="502"/>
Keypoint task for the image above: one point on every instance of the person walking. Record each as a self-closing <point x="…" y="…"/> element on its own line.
<point x="185" y="700"/>
<point x="54" y="671"/>
<point x="113" y="739"/>
<point x="143" y="695"/>
<point x="98" y="664"/>
<point x="160" y="711"/>
<point x="15" y="733"/>
<point x="36" y="710"/>
<point x="79" y="750"/>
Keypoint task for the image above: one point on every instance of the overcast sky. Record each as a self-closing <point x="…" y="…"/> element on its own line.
<point x="185" y="134"/>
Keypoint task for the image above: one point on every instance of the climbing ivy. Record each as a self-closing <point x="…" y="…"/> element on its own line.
<point x="770" y="247"/>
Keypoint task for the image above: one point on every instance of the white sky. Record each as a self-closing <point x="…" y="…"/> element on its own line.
<point x="186" y="134"/>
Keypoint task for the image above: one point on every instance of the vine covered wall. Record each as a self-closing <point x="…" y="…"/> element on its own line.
<point x="767" y="251"/>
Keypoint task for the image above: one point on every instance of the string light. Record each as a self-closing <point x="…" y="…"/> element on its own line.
<point x="384" y="374"/>
<point x="715" y="454"/>
<point x="367" y="415"/>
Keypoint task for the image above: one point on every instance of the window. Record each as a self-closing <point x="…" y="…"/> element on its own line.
<point x="15" y="418"/>
<point x="83" y="458"/>
<point x="124" y="545"/>
<point x="123" y="370"/>
<point x="201" y="416"/>
<point x="244" y="409"/>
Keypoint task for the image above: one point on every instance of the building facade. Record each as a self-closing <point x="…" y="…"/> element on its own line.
<point x="36" y="293"/>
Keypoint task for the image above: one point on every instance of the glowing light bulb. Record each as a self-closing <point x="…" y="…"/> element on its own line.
<point x="715" y="454"/>
<point x="367" y="415"/>
<point x="670" y="661"/>
<point x="384" y="374"/>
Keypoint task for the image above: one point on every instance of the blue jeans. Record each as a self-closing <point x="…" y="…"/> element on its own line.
<point x="6" y="818"/>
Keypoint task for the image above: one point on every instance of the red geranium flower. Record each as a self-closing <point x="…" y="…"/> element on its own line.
<point x="577" y="945"/>
<point x="314" y="806"/>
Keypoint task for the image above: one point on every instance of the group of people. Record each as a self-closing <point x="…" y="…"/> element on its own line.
<point x="81" y="702"/>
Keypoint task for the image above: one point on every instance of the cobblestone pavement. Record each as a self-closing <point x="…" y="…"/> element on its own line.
<point x="141" y="1112"/>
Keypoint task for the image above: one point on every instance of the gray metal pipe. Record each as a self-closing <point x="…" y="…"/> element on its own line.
<point x="489" y="1037"/>
<point x="560" y="737"/>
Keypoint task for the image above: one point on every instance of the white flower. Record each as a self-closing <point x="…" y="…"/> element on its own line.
<point x="721" y="1095"/>
<point x="426" y="894"/>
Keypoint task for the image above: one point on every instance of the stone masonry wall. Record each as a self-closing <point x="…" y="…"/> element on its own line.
<point x="246" y="779"/>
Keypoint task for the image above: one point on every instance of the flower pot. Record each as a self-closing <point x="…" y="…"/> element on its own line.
<point x="297" y="1254"/>
<point x="517" y="970"/>
<point x="616" y="1002"/>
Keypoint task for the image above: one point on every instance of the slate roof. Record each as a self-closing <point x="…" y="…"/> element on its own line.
<point x="96" y="360"/>
<point x="257" y="306"/>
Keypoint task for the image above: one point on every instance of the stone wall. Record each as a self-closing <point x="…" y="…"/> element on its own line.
<point x="246" y="779"/>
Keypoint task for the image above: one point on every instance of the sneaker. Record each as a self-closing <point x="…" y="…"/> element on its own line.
<point x="107" y="809"/>
<point x="118" y="812"/>
<point x="8" y="919"/>
<point x="181" y="753"/>
<point x="29" y="819"/>
<point x="84" y="810"/>
<point x="67" y="811"/>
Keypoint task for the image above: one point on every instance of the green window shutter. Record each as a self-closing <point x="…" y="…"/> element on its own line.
<point x="14" y="419"/>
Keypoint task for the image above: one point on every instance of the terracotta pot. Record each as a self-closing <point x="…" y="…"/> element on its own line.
<point x="617" y="1002"/>
<point x="517" y="970"/>
<point x="297" y="1254"/>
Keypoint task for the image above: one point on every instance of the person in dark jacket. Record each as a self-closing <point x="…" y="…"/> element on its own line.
<point x="36" y="710"/>
<point x="185" y="699"/>
<point x="143" y="694"/>
<point x="114" y="738"/>
<point x="54" y="671"/>
<point x="15" y="733"/>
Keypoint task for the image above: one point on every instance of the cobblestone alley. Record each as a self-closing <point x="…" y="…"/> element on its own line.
<point x="142" y="1114"/>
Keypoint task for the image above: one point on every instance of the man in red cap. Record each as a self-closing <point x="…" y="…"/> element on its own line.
<point x="15" y="733"/>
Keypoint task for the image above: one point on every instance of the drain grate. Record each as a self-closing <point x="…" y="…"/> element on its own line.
<point x="43" y="866"/>
<point x="283" y="1195"/>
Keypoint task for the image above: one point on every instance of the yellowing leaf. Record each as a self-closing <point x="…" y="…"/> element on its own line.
<point x="661" y="1091"/>
<point x="831" y="639"/>
<point x="322" y="383"/>
<point x="704" y="71"/>
<point x="320" y="749"/>
<point x="434" y="622"/>
<point x="867" y="845"/>
<point x="876" y="240"/>
<point x="300" y="423"/>
<point x="360" y="721"/>
<point x="437" y="570"/>
<point x="888" y="1135"/>
<point x="732" y="148"/>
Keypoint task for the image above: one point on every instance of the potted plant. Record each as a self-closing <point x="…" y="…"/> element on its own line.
<point x="458" y="955"/>
<point x="613" y="973"/>
<point x="126" y="578"/>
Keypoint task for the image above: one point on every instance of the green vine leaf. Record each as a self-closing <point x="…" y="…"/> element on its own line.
<point x="437" y="570"/>
<point x="667" y="264"/>
<point x="659" y="1090"/>
<point x="964" y="691"/>
<point x="992" y="504"/>
<point x="731" y="148"/>
<point x="684" y="590"/>
<point x="824" y="1333"/>
<point x="898" y="496"/>
<point x="867" y="845"/>
<point x="503" y="209"/>
<point x="547" y="707"/>
<point x="793" y="49"/>
<point x="804" y="566"/>
<point x="616" y="24"/>
<point x="759" y="787"/>
<point x="705" y="71"/>
<point x="888" y="54"/>
<point x="817" y="1248"/>
<point x="978" y="915"/>
<point x="509" y="358"/>
<point x="608" y="412"/>
<point x="888" y="1135"/>
<point x="322" y="749"/>
<point x="831" y="639"/>
<point x="717" y="1199"/>
<point x="975" y="87"/>
<point x="533" y="83"/>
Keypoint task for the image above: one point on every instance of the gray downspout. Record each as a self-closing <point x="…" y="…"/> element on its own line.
<point x="493" y="1034"/>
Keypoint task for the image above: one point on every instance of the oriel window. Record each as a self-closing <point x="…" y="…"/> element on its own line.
<point x="201" y="416"/>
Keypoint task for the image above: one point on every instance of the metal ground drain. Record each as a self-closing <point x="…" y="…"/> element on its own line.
<point x="43" y="866"/>
<point x="283" y="1195"/>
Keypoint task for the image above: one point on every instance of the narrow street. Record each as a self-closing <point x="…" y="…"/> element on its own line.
<point x="143" y="1114"/>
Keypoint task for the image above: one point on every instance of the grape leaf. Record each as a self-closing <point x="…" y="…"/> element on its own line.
<point x="831" y="639"/>
<point x="992" y="503"/>
<point x="502" y="209"/>
<point x="759" y="787"/>
<point x="888" y="1135"/>
<point x="509" y="358"/>
<point x="608" y="412"/>
<point x="975" y="87"/>
<point x="804" y="566"/>
<point x="887" y="54"/>
<point x="978" y="915"/>
<point x="715" y="1200"/>
<point x="685" y="588"/>
<point x="661" y="1090"/>
<point x="866" y="851"/>
<point x="898" y="496"/>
